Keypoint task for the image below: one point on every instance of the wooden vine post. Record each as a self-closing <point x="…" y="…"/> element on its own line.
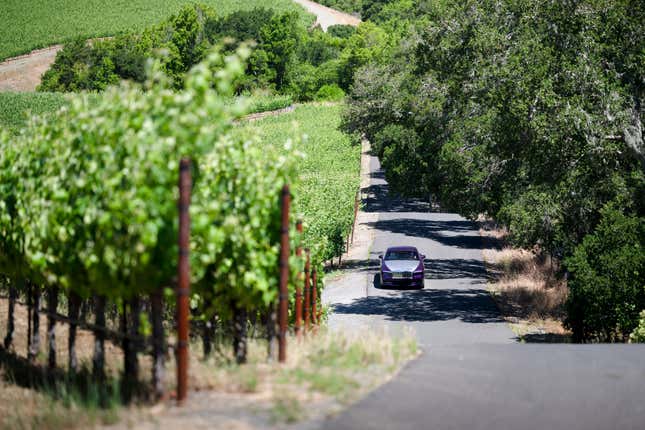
<point x="284" y="275"/>
<point x="298" y="324"/>
<point x="307" y="295"/>
<point x="314" y="297"/>
<point x="183" y="278"/>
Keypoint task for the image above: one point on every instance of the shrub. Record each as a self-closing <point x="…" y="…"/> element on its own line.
<point x="606" y="283"/>
<point x="280" y="38"/>
<point x="330" y="92"/>
<point x="318" y="47"/>
<point x="303" y="82"/>
<point x="341" y="31"/>
<point x="180" y="40"/>
<point x="638" y="335"/>
<point x="241" y="25"/>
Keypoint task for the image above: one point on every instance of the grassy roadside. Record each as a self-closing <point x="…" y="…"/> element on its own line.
<point x="31" y="24"/>
<point x="527" y="288"/>
<point x="325" y="372"/>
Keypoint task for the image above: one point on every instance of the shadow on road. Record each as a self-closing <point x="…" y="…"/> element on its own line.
<point x="455" y="268"/>
<point x="379" y="200"/>
<point x="435" y="230"/>
<point x="472" y="306"/>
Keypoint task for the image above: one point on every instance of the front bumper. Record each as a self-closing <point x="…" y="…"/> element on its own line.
<point x="415" y="281"/>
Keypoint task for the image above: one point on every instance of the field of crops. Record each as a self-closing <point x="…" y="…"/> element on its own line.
<point x="30" y="24"/>
<point x="15" y="108"/>
<point x="329" y="172"/>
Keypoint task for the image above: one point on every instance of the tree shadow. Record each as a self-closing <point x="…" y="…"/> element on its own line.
<point x="60" y="384"/>
<point x="472" y="306"/>
<point x="545" y="338"/>
<point x="435" y="230"/>
<point x="455" y="268"/>
<point x="380" y="200"/>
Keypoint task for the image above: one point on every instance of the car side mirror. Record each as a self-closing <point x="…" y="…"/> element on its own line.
<point x="380" y="257"/>
<point x="423" y="257"/>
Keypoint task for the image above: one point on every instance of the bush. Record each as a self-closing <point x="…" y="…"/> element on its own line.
<point x="180" y="40"/>
<point x="318" y="47"/>
<point x="638" y="335"/>
<point x="349" y="6"/>
<point x="330" y="92"/>
<point x="242" y="25"/>
<point x="606" y="283"/>
<point x="80" y="66"/>
<point x="341" y="31"/>
<point x="303" y="82"/>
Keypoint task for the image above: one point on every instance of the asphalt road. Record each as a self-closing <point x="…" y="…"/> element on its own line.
<point x="473" y="373"/>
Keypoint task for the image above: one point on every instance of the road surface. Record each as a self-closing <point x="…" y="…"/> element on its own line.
<point x="473" y="373"/>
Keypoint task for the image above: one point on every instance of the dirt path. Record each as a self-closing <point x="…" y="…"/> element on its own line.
<point x="23" y="73"/>
<point x="326" y="16"/>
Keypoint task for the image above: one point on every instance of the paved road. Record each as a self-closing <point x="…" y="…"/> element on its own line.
<point x="473" y="373"/>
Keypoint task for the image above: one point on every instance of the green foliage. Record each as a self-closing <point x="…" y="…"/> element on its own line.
<point x="303" y="81"/>
<point x="368" y="44"/>
<point x="533" y="219"/>
<point x="371" y="8"/>
<point x="286" y="57"/>
<point x="330" y="93"/>
<point x="243" y="25"/>
<point x="15" y="108"/>
<point x="526" y="111"/>
<point x="349" y="6"/>
<point x="280" y="39"/>
<point x="260" y="103"/>
<point x="180" y="42"/>
<point x="638" y="335"/>
<point x="329" y="173"/>
<point x="341" y="31"/>
<point x="25" y="25"/>
<point x="89" y="197"/>
<point x="606" y="285"/>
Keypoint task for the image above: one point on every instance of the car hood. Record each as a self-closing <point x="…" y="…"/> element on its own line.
<point x="401" y="265"/>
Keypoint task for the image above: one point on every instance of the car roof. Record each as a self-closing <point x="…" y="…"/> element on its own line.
<point x="401" y="248"/>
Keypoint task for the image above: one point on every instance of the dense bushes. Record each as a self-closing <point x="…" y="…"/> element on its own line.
<point x="180" y="42"/>
<point x="528" y="112"/>
<point x="607" y="291"/>
<point x="285" y="58"/>
<point x="349" y="6"/>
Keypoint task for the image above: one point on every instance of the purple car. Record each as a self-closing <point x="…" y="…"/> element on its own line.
<point x="402" y="266"/>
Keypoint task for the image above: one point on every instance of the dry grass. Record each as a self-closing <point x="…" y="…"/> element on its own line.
<point x="323" y="374"/>
<point x="527" y="287"/>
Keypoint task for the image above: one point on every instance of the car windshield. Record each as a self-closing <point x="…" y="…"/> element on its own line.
<point x="401" y="255"/>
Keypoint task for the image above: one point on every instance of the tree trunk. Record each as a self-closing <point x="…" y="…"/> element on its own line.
<point x="158" y="343"/>
<point x="132" y="365"/>
<point x="11" y="324"/>
<point x="207" y="338"/>
<point x="98" y="360"/>
<point x="240" y="334"/>
<point x="52" y="307"/>
<point x="271" y="323"/>
<point x="34" y="345"/>
<point x="130" y="327"/>
<point x="74" y="308"/>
